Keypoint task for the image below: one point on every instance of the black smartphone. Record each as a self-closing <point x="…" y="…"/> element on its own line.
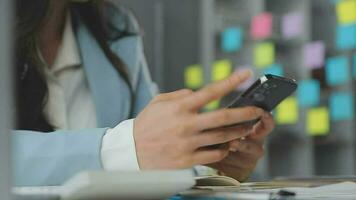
<point x="266" y="93"/>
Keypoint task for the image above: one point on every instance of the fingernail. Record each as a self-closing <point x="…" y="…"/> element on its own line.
<point x="244" y="74"/>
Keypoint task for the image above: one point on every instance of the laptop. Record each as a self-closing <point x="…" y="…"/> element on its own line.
<point x="93" y="185"/>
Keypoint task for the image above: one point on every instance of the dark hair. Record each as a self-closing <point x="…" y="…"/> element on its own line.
<point x="31" y="93"/>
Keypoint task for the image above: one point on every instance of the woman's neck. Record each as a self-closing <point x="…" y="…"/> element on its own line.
<point x="51" y="33"/>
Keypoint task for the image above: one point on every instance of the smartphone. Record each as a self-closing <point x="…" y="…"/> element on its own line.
<point x="266" y="93"/>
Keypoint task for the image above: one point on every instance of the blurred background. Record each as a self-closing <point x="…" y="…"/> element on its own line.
<point x="189" y="43"/>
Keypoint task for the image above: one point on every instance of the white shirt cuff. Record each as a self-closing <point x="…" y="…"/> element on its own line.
<point x="118" y="151"/>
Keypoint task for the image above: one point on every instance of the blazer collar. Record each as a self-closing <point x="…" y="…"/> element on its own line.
<point x="110" y="93"/>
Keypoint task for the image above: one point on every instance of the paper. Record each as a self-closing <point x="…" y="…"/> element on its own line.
<point x="314" y="55"/>
<point x="287" y="112"/>
<point x="344" y="190"/>
<point x="318" y="121"/>
<point x="292" y="25"/>
<point x="231" y="39"/>
<point x="346" y="11"/>
<point x="308" y="93"/>
<point x="248" y="82"/>
<point x="261" y="26"/>
<point x="212" y="105"/>
<point x="221" y="70"/>
<point x="275" y="69"/>
<point x="341" y="106"/>
<point x="264" y="54"/>
<point x="346" y="37"/>
<point x="337" y="70"/>
<point x="193" y="77"/>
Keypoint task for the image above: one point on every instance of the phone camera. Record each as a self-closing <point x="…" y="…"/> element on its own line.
<point x="259" y="97"/>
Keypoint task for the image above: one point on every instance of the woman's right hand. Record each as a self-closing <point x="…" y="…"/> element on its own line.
<point x="170" y="133"/>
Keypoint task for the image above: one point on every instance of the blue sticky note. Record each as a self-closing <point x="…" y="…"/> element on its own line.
<point x="337" y="70"/>
<point x="275" y="69"/>
<point x="346" y="36"/>
<point x="231" y="39"/>
<point x="341" y="106"/>
<point x="308" y="93"/>
<point x="354" y="65"/>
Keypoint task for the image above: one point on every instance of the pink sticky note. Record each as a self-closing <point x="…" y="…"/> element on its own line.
<point x="314" y="55"/>
<point x="248" y="82"/>
<point x="261" y="26"/>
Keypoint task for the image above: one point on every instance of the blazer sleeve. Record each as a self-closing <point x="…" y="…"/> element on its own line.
<point x="40" y="159"/>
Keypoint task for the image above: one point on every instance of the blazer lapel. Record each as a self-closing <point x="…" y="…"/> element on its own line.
<point x="110" y="92"/>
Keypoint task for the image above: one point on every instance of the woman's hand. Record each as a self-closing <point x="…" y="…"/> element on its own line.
<point x="244" y="153"/>
<point x="170" y="132"/>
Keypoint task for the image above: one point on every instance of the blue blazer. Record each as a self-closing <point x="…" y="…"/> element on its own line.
<point x="52" y="158"/>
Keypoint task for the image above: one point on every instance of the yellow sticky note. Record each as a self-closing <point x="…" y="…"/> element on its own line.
<point x="193" y="77"/>
<point x="264" y="54"/>
<point x="346" y="11"/>
<point x="287" y="112"/>
<point x="212" y="105"/>
<point x="221" y="70"/>
<point x="318" y="123"/>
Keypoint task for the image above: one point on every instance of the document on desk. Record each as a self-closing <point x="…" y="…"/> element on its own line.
<point x="344" y="190"/>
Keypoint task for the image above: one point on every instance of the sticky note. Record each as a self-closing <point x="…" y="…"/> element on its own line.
<point x="248" y="82"/>
<point x="354" y="65"/>
<point x="221" y="70"/>
<point x="292" y="25"/>
<point x="341" y="106"/>
<point x="308" y="93"/>
<point x="274" y="69"/>
<point x="193" y="77"/>
<point x="231" y="39"/>
<point x="287" y="111"/>
<point x="261" y="26"/>
<point x="314" y="54"/>
<point x="337" y="70"/>
<point x="346" y="36"/>
<point x="318" y="123"/>
<point x="346" y="11"/>
<point x="212" y="105"/>
<point x="264" y="54"/>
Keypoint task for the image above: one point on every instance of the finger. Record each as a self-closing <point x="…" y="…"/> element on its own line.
<point x="216" y="90"/>
<point x="248" y="147"/>
<point x="239" y="173"/>
<point x="262" y="128"/>
<point x="220" y="136"/>
<point x="208" y="155"/>
<point x="240" y="160"/>
<point x="225" y="117"/>
<point x="173" y="95"/>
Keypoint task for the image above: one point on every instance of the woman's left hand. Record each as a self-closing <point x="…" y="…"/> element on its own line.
<point x="244" y="154"/>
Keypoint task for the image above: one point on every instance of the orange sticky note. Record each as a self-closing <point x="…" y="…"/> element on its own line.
<point x="318" y="122"/>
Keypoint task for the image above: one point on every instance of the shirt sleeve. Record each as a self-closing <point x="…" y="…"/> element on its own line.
<point x="118" y="148"/>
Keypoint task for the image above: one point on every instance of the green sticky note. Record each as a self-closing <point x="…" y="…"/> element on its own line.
<point x="221" y="70"/>
<point x="193" y="77"/>
<point x="318" y="123"/>
<point x="346" y="11"/>
<point x="212" y="105"/>
<point x="287" y="112"/>
<point x="264" y="54"/>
